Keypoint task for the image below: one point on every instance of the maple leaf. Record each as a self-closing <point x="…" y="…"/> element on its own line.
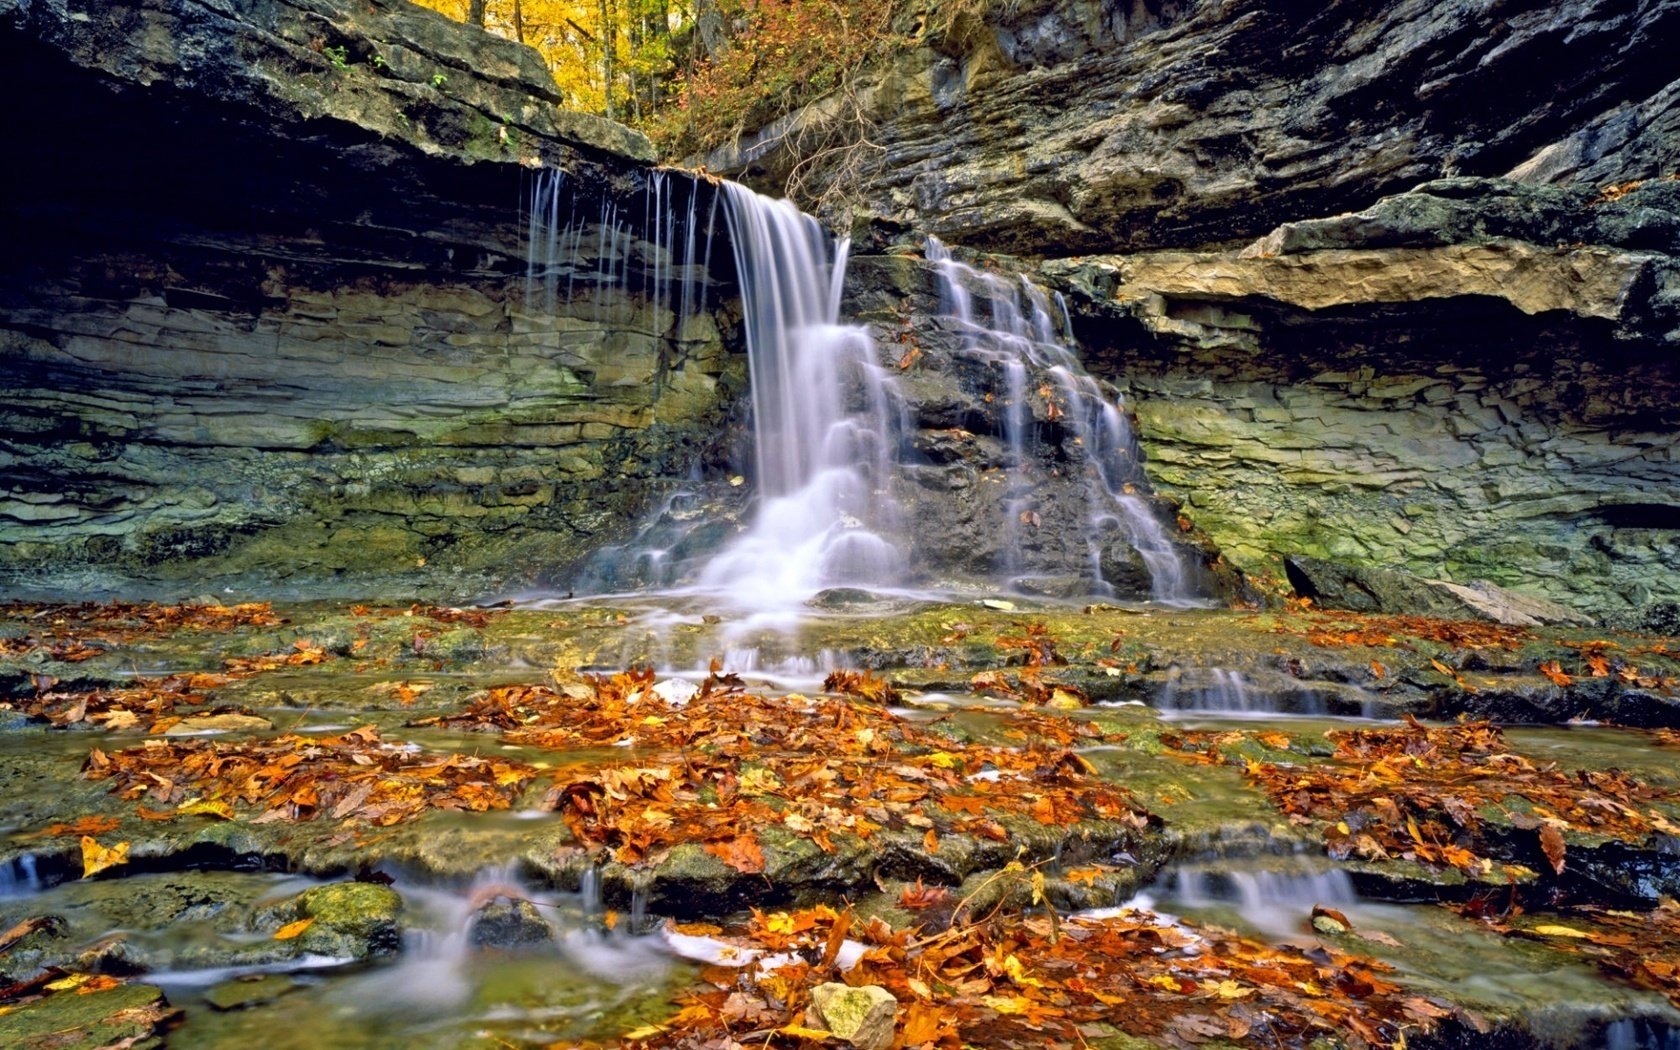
<point x="97" y="858"/>
<point x="1555" y="673"/>
<point x="741" y="853"/>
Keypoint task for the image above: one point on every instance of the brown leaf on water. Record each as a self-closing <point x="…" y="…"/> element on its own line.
<point x="89" y="825"/>
<point x="1551" y="842"/>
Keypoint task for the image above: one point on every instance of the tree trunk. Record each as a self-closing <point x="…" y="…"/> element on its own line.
<point x="475" y="12"/>
<point x="518" y="21"/>
<point x="609" y="34"/>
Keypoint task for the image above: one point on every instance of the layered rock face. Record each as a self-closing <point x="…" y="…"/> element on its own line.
<point x="1356" y="263"/>
<point x="1400" y="388"/>
<point x="264" y="306"/>
<point x="1061" y="127"/>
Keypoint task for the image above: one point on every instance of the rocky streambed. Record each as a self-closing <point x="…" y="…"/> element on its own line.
<point x="395" y="824"/>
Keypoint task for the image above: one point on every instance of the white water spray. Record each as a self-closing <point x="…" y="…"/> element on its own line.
<point x="1025" y="336"/>
<point x="825" y="421"/>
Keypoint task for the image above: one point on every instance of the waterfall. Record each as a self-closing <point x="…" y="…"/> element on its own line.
<point x="828" y="422"/>
<point x="1025" y="336"/>
<point x="1278" y="903"/>
<point x="825" y="422"/>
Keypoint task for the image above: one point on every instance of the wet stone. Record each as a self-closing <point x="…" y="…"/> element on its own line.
<point x="509" y="924"/>
<point x="130" y="1015"/>
<point x="255" y="990"/>
<point x="349" y="920"/>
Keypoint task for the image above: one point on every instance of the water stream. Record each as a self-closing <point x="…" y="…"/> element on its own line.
<point x="829" y="426"/>
<point x="1026" y="336"/>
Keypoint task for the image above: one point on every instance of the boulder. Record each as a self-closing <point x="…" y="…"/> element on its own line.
<point x="1357" y="588"/>
<point x="863" y="1016"/>
<point x="505" y="923"/>
<point x="355" y="920"/>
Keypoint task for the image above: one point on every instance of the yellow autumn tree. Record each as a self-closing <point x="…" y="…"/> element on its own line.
<point x="613" y="57"/>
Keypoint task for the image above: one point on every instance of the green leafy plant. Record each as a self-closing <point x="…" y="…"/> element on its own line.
<point x="438" y="80"/>
<point x="339" y="56"/>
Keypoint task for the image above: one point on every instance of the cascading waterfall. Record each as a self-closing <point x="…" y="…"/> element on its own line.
<point x="827" y="421"/>
<point x="824" y="420"/>
<point x="1276" y="902"/>
<point x="1024" y="337"/>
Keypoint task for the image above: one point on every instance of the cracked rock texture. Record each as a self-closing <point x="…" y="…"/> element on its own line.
<point x="1361" y="266"/>
<point x="264" y="311"/>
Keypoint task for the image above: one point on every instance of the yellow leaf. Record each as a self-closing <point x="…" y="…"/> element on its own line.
<point x="64" y="984"/>
<point x="1018" y="973"/>
<point x="779" y="922"/>
<point x="209" y="807"/>
<point x="943" y="759"/>
<point x="1560" y="931"/>
<point x="1233" y="990"/>
<point x="920" y="987"/>
<point x="1161" y="980"/>
<point x="96" y="858"/>
<point x="1009" y="1004"/>
<point x="292" y="929"/>
<point x="799" y="1031"/>
<point x="647" y="1031"/>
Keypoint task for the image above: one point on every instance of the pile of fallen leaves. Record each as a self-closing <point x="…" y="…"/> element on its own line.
<point x="152" y="704"/>
<point x="1344" y="629"/>
<point x="352" y="776"/>
<point x="1425" y="793"/>
<point x="1037" y="982"/>
<point x="114" y="622"/>
<point x="1641" y="948"/>
<point x="715" y="767"/>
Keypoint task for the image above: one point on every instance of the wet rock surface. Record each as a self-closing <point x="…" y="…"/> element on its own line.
<point x="331" y="364"/>
<point x="1210" y="814"/>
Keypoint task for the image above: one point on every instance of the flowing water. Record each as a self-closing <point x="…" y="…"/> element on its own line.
<point x="828" y="424"/>
<point x="825" y="421"/>
<point x="1026" y="337"/>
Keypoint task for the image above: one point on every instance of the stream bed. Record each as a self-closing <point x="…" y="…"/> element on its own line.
<point x="499" y="927"/>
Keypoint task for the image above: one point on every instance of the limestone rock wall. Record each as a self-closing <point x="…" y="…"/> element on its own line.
<point x="1397" y="388"/>
<point x="1062" y="127"/>
<point x="265" y="317"/>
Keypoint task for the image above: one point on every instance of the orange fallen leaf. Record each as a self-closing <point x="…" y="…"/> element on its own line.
<point x="293" y="929"/>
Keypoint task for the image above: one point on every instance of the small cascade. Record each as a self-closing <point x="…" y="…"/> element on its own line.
<point x="19" y="877"/>
<point x="1275" y="902"/>
<point x="1025" y="337"/>
<point x="499" y="918"/>
<point x="825" y="421"/>
<point x="1224" y="690"/>
<point x="1229" y="693"/>
<point x="663" y="256"/>
<point x="1632" y="1034"/>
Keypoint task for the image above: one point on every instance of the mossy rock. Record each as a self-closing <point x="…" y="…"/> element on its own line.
<point x="349" y="920"/>
<point x="131" y="1015"/>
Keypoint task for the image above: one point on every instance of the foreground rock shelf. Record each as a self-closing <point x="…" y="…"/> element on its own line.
<point x="529" y="800"/>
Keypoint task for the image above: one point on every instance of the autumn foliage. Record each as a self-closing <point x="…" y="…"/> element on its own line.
<point x="1429" y="794"/>
<point x="1038" y="981"/>
<point x="713" y="769"/>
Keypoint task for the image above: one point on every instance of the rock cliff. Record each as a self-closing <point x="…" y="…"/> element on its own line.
<point x="264" y="305"/>
<point x="1390" y="284"/>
